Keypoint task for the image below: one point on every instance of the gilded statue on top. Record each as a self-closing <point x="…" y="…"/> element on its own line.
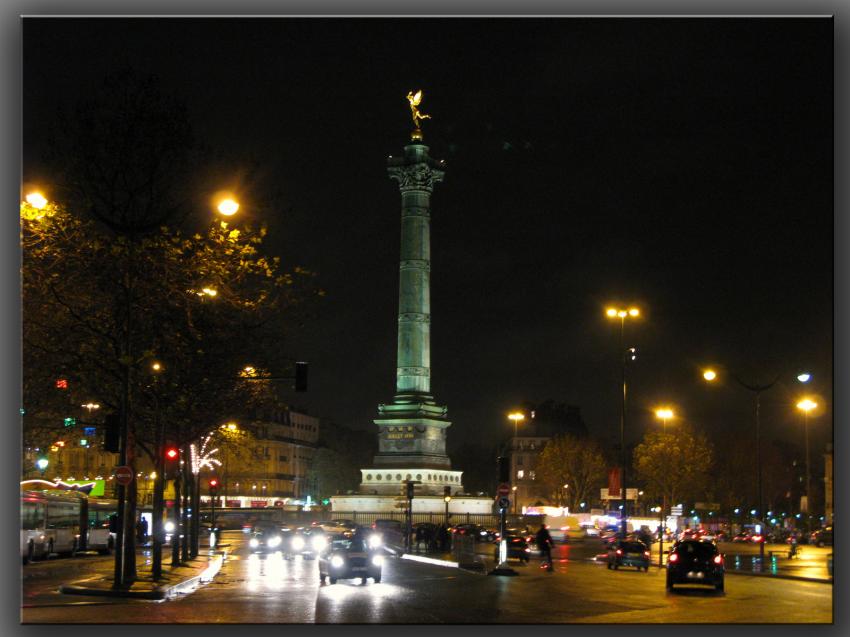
<point x="414" y="111"/>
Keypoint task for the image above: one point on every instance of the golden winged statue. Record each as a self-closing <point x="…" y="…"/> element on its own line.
<point x="414" y="111"/>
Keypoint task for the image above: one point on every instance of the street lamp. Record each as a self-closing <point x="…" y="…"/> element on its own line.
<point x="806" y="405"/>
<point x="227" y="206"/>
<point x="513" y="489"/>
<point x="447" y="499"/>
<point x="36" y="200"/>
<point x="516" y="417"/>
<point x="42" y="463"/>
<point x="622" y="314"/>
<point x="664" y="413"/>
<point x="710" y="375"/>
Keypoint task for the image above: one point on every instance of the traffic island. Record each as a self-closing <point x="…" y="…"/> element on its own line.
<point x="175" y="580"/>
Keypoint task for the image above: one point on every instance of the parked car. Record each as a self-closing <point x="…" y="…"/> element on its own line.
<point x="349" y="558"/>
<point x="822" y="537"/>
<point x="518" y="548"/>
<point x="695" y="562"/>
<point x="628" y="553"/>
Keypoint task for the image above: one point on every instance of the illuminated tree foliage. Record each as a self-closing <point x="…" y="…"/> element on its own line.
<point x="675" y="464"/>
<point x="575" y="461"/>
<point x="112" y="281"/>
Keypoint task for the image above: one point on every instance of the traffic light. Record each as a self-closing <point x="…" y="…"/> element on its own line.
<point x="61" y="383"/>
<point x="213" y="485"/>
<point x="70" y="422"/>
<point x="171" y="464"/>
<point x="111" y="433"/>
<point x="409" y="490"/>
<point x="301" y="376"/>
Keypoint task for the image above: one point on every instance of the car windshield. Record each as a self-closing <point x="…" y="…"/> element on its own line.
<point x="696" y="549"/>
<point x="355" y="544"/>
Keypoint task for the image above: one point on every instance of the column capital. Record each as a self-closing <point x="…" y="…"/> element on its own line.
<point x="418" y="176"/>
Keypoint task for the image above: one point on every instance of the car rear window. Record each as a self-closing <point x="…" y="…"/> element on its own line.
<point x="698" y="549"/>
<point x="633" y="546"/>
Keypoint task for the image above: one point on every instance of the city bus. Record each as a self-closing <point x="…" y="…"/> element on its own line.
<point x="99" y="537"/>
<point x="52" y="522"/>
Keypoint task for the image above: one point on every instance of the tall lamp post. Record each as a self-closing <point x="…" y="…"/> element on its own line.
<point x="710" y="375"/>
<point x="517" y="417"/>
<point x="664" y="413"/>
<point x="622" y="314"/>
<point x="806" y="406"/>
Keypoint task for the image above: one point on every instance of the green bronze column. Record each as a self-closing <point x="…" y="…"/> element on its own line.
<point x="416" y="173"/>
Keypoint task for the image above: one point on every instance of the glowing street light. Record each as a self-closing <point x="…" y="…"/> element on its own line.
<point x="36" y="200"/>
<point x="804" y="377"/>
<point x="228" y="207"/>
<point x="709" y="375"/>
<point x="806" y="405"/>
<point x="517" y="417"/>
<point x="622" y="314"/>
<point x="664" y="413"/>
<point x="42" y="463"/>
<point x="156" y="366"/>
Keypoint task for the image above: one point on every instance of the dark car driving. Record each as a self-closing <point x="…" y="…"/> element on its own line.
<point x="628" y="553"/>
<point x="266" y="537"/>
<point x="475" y="531"/>
<point x="518" y="548"/>
<point x="695" y="562"/>
<point x="349" y="558"/>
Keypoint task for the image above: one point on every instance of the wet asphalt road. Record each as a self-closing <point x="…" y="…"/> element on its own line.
<point x="269" y="589"/>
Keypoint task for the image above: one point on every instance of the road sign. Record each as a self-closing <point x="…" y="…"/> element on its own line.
<point x="504" y="502"/>
<point x="676" y="510"/>
<point x="504" y="489"/>
<point x="123" y="475"/>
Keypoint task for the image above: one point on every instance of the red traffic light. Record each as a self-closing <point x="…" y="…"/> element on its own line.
<point x="61" y="383"/>
<point x="171" y="453"/>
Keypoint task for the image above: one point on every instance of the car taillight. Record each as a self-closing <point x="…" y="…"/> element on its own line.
<point x="718" y="559"/>
<point x="674" y="557"/>
<point x="619" y="552"/>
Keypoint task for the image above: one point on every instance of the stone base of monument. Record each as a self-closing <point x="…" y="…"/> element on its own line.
<point x="377" y="503"/>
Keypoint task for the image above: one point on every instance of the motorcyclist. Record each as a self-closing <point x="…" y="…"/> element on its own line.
<point x="544" y="544"/>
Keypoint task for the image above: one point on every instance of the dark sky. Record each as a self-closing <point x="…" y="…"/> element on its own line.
<point x="683" y="165"/>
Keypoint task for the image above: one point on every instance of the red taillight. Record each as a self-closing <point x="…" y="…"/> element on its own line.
<point x="674" y="557"/>
<point x="718" y="559"/>
<point x="619" y="552"/>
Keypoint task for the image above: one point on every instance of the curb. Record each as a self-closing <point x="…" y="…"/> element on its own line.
<point x="155" y="593"/>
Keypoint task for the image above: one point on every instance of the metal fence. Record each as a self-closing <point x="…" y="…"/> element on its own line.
<point x="484" y="519"/>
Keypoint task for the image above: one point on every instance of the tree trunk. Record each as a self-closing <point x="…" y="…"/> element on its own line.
<point x="131" y="491"/>
<point x="196" y="515"/>
<point x="187" y="504"/>
<point x="158" y="528"/>
<point x="175" y="536"/>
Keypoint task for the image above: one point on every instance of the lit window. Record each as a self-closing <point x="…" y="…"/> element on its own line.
<point x="520" y="474"/>
<point x="531" y="475"/>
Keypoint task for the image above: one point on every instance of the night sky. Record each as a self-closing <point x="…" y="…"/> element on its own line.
<point x="682" y="165"/>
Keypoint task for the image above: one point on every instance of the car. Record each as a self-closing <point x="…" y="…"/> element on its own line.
<point x="266" y="537"/>
<point x="822" y="537"/>
<point x="349" y="558"/>
<point x="518" y="548"/>
<point x="307" y="542"/>
<point x="741" y="537"/>
<point x="694" y="561"/>
<point x="628" y="553"/>
<point x="390" y="531"/>
<point x="476" y="531"/>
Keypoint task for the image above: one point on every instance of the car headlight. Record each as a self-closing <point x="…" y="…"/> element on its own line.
<point x="273" y="542"/>
<point x="377" y="560"/>
<point x="375" y="541"/>
<point x="169" y="526"/>
<point x="298" y="543"/>
<point x="254" y="542"/>
<point x="337" y="561"/>
<point x="318" y="543"/>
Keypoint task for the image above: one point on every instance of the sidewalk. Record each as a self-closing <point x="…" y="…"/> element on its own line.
<point x="175" y="580"/>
